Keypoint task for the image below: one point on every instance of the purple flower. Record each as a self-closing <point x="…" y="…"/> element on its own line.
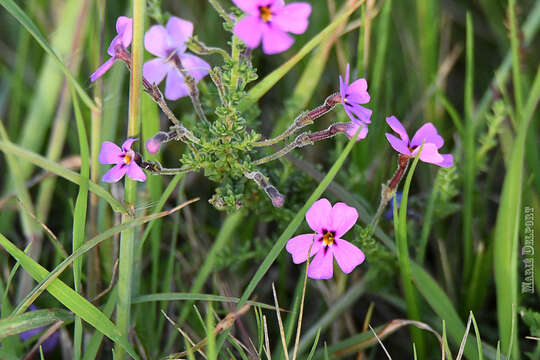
<point x="352" y="96"/>
<point x="169" y="45"/>
<point x="124" y="28"/>
<point x="271" y="20"/>
<point x="49" y="344"/>
<point x="427" y="134"/>
<point x="329" y="224"/>
<point x="124" y="158"/>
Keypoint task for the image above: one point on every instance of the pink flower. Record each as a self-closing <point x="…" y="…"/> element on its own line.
<point x="426" y="134"/>
<point x="329" y="224"/>
<point x="124" y="28"/>
<point x="271" y="20"/>
<point x="169" y="45"/>
<point x="352" y="96"/>
<point x="125" y="160"/>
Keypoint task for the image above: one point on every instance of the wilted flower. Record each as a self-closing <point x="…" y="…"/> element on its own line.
<point x="352" y="96"/>
<point x="125" y="160"/>
<point x="124" y="28"/>
<point x="169" y="45"/>
<point x="271" y="20"/>
<point x="427" y="134"/>
<point x="329" y="224"/>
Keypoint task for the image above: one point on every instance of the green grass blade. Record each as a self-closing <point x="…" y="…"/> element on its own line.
<point x="31" y="320"/>
<point x="55" y="168"/>
<point x="25" y="21"/>
<point x="69" y="298"/>
<point x="91" y="350"/>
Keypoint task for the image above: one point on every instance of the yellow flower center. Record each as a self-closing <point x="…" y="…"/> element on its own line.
<point x="328" y="238"/>
<point x="127" y="159"/>
<point x="266" y="13"/>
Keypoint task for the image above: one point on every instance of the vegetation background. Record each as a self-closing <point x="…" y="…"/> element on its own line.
<point x="469" y="67"/>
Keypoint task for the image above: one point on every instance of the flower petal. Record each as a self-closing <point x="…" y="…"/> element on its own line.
<point x="124" y="28"/>
<point x="275" y="40"/>
<point x="318" y="215"/>
<point x="155" y="70"/>
<point x="396" y="125"/>
<point x="342" y="88"/>
<point x="175" y="85"/>
<point x="299" y="246"/>
<point x="102" y="69"/>
<point x="179" y="31"/>
<point x="195" y="66"/>
<point x="347" y="255"/>
<point x="357" y="92"/>
<point x="249" y="6"/>
<point x="360" y="113"/>
<point x="353" y="126"/>
<point x="126" y="146"/>
<point x="135" y="172"/>
<point x="250" y="30"/>
<point x="347" y="72"/>
<point x="448" y="160"/>
<point x="115" y="173"/>
<point x="343" y="218"/>
<point x="429" y="154"/>
<point x="293" y="17"/>
<point x="399" y="145"/>
<point x="110" y="153"/>
<point x="322" y="266"/>
<point x="155" y="41"/>
<point x="427" y="132"/>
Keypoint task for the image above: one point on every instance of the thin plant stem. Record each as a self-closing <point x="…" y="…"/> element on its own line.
<point x="219" y="9"/>
<point x="127" y="237"/>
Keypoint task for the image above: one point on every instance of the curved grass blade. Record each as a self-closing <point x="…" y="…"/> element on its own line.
<point x="50" y="277"/>
<point x="31" y="320"/>
<point x="25" y="21"/>
<point x="69" y="298"/>
<point x="57" y="169"/>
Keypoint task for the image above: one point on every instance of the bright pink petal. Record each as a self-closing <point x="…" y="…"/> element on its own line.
<point x="274" y="4"/>
<point x="155" y="70"/>
<point x="179" y="31"/>
<point x="275" y="40"/>
<point x="153" y="145"/>
<point x="102" y="69"/>
<point x="135" y="172"/>
<point x="347" y="73"/>
<point x="343" y="218"/>
<point x="357" y="92"/>
<point x="318" y="215"/>
<point x="124" y="28"/>
<point x="427" y="132"/>
<point x="115" y="173"/>
<point x="342" y="88"/>
<point x="293" y="17"/>
<point x="250" y="30"/>
<point x="347" y="255"/>
<point x="322" y="266"/>
<point x="155" y="41"/>
<point x="175" y="85"/>
<point x="353" y="127"/>
<point x="110" y="153"/>
<point x="399" y="145"/>
<point x="249" y="6"/>
<point x="396" y="125"/>
<point x="429" y="154"/>
<point x="299" y="246"/>
<point x="195" y="66"/>
<point x="358" y="112"/>
<point x="126" y="146"/>
<point x="448" y="160"/>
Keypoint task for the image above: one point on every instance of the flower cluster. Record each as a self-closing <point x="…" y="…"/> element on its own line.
<point x="223" y="146"/>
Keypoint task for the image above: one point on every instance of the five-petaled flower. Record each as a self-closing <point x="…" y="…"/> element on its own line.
<point x="427" y="134"/>
<point x="125" y="160"/>
<point x="330" y="224"/>
<point x="352" y="96"/>
<point x="271" y="20"/>
<point x="124" y="28"/>
<point x="169" y="45"/>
